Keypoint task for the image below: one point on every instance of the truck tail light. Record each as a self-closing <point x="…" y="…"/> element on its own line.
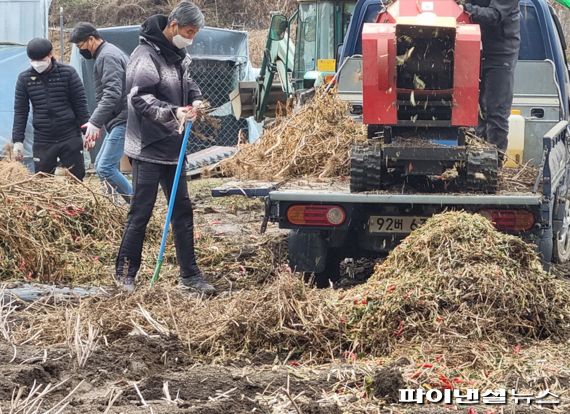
<point x="509" y="220"/>
<point x="316" y="215"/>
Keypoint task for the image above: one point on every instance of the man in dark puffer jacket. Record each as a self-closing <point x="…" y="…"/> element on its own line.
<point x="161" y="96"/>
<point x="59" y="108"/>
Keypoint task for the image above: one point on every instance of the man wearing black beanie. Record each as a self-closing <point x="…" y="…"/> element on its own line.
<point x="109" y="74"/>
<point x="59" y="108"/>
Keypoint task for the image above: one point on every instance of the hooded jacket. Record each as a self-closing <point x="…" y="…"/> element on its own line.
<point x="109" y="73"/>
<point x="500" y="26"/>
<point x="158" y="84"/>
<point x="58" y="101"/>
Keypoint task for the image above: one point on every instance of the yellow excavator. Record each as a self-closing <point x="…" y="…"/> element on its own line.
<point x="300" y="54"/>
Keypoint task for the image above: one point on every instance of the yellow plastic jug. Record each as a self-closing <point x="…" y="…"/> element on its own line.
<point x="515" y="148"/>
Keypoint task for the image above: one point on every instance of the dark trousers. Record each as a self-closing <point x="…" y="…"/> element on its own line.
<point x="146" y="178"/>
<point x="69" y="152"/>
<point x="496" y="99"/>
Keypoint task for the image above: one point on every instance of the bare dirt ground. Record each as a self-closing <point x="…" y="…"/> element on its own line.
<point x="145" y="372"/>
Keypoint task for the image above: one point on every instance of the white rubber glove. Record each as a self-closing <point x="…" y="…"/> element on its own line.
<point x="192" y="114"/>
<point x="93" y="132"/>
<point x="185" y="113"/>
<point x="181" y="114"/>
<point x="88" y="144"/>
<point x="197" y="103"/>
<point x="18" y="151"/>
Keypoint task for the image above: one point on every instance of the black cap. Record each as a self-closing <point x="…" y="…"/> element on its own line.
<point x="38" y="48"/>
<point x="82" y="31"/>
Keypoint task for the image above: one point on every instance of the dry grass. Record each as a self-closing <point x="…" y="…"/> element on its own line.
<point x="53" y="227"/>
<point x="8" y="307"/>
<point x="240" y="13"/>
<point x="284" y="317"/>
<point x="456" y="305"/>
<point x="36" y="399"/>
<point x="80" y="345"/>
<point x="59" y="230"/>
<point x="257" y="40"/>
<point x="457" y="278"/>
<point x="454" y="280"/>
<point x="314" y="141"/>
<point x="518" y="179"/>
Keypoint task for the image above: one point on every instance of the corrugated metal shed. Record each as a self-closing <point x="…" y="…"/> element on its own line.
<point x="20" y="21"/>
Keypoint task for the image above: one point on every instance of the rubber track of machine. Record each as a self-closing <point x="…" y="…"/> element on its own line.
<point x="482" y="171"/>
<point x="365" y="167"/>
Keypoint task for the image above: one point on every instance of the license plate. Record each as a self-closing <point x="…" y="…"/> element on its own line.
<point x="394" y="224"/>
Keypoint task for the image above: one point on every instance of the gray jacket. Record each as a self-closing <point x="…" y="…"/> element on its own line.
<point x="158" y="82"/>
<point x="110" y="87"/>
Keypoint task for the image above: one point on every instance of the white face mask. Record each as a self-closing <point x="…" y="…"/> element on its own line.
<point x="40" y="65"/>
<point x="181" y="42"/>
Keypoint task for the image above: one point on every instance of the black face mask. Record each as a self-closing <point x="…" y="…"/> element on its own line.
<point x="86" y="53"/>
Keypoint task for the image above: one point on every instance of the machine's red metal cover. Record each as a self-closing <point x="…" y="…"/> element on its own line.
<point x="379" y="50"/>
<point x="379" y="74"/>
<point x="466" y="75"/>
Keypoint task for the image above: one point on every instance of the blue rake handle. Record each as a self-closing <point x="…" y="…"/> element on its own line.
<point x="171" y="203"/>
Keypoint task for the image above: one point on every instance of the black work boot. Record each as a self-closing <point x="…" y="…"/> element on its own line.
<point x="198" y="283"/>
<point x="129" y="284"/>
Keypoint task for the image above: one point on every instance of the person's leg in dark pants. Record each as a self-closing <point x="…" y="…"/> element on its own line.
<point x="183" y="229"/>
<point x="71" y="156"/>
<point x="498" y="99"/>
<point x="45" y="157"/>
<point x="146" y="177"/>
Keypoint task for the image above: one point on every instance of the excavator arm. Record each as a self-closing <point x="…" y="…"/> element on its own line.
<point x="261" y="97"/>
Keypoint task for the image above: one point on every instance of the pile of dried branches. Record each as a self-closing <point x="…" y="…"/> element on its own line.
<point x="454" y="280"/>
<point x="48" y="223"/>
<point x="54" y="228"/>
<point x="314" y="141"/>
<point x="457" y="277"/>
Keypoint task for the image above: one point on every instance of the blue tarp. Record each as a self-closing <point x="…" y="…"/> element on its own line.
<point x="13" y="60"/>
<point x="20" y="21"/>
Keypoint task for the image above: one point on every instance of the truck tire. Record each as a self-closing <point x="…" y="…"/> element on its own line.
<point x="331" y="272"/>
<point x="546" y="248"/>
<point x="561" y="242"/>
<point x="310" y="254"/>
<point x="366" y="167"/>
<point x="307" y="251"/>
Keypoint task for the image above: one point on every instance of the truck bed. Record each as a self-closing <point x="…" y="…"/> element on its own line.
<point x="515" y="188"/>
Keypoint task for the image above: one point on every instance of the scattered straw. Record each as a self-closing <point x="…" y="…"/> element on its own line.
<point x="455" y="278"/>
